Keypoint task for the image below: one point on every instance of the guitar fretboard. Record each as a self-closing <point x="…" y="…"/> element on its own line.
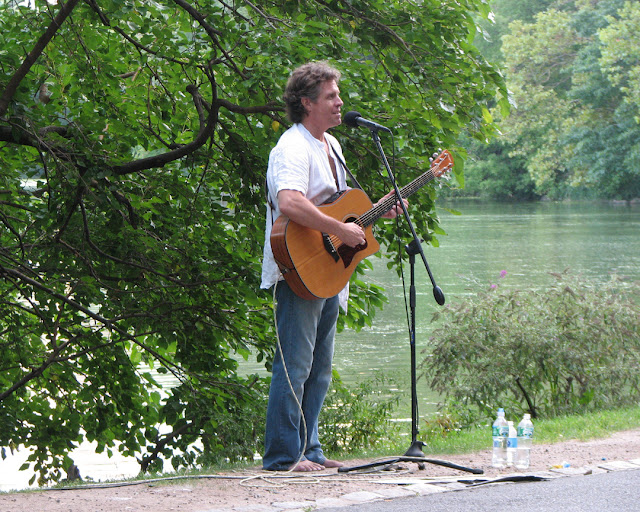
<point x="438" y="167"/>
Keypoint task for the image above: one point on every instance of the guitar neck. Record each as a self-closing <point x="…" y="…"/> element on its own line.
<point x="383" y="207"/>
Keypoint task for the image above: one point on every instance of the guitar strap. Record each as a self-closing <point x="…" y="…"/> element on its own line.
<point x="344" y="166"/>
<point x="266" y="193"/>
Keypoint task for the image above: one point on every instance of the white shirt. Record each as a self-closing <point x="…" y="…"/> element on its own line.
<point x="299" y="162"/>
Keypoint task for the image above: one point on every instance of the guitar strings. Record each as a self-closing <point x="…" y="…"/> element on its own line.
<point x="377" y="211"/>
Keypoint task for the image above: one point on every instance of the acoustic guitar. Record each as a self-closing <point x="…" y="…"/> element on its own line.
<point x="318" y="265"/>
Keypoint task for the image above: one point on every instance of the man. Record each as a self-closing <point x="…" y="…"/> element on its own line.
<point x="303" y="172"/>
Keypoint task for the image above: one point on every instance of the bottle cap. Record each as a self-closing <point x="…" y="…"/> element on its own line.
<point x="527" y="416"/>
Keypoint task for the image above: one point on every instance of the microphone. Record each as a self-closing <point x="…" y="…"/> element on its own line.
<point x="354" y="119"/>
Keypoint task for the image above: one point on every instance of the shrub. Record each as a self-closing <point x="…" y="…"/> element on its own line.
<point x="352" y="418"/>
<point x="358" y="417"/>
<point x="569" y="348"/>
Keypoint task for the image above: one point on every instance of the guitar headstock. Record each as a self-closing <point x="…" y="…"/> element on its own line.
<point x="441" y="163"/>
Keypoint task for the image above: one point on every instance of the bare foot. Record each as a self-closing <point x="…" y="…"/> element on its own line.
<point x="328" y="463"/>
<point x="307" y="465"/>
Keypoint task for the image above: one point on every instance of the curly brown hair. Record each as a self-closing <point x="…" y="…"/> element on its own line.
<point x="305" y="82"/>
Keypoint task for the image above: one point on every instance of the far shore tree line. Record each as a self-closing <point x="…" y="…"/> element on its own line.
<point x="572" y="69"/>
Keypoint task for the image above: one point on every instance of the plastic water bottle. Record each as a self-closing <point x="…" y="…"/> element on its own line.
<point x="525" y="434"/>
<point x="500" y="435"/>
<point x="512" y="444"/>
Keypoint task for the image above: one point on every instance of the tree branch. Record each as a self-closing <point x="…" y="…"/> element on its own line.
<point x="37" y="371"/>
<point x="31" y="58"/>
<point x="532" y="407"/>
<point x="160" y="160"/>
<point x="142" y="48"/>
<point x="12" y="273"/>
<point x="161" y="442"/>
<point x="211" y="32"/>
<point x="259" y="109"/>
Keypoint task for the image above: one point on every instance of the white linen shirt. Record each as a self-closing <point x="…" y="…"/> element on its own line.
<point x="299" y="162"/>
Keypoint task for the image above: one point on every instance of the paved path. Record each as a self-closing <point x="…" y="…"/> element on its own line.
<point x="610" y="487"/>
<point x="615" y="491"/>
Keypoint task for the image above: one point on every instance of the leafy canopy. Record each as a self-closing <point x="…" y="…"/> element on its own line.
<point x="134" y="138"/>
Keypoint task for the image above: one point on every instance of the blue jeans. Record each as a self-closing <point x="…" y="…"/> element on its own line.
<point x="307" y="330"/>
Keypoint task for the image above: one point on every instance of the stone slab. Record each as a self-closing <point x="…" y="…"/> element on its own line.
<point x="362" y="496"/>
<point x="570" y="471"/>
<point x="426" y="488"/>
<point x="618" y="465"/>
<point x="332" y="503"/>
<point x="396" y="492"/>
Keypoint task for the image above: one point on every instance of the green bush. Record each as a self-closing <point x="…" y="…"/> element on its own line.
<point x="352" y="418"/>
<point x="357" y="418"/>
<point x="567" y="349"/>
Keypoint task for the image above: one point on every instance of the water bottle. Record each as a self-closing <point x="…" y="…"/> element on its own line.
<point x="512" y="444"/>
<point x="500" y="435"/>
<point x="525" y="434"/>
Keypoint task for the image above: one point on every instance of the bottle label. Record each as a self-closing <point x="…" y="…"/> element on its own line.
<point x="512" y="442"/>
<point x="525" y="432"/>
<point x="500" y="431"/>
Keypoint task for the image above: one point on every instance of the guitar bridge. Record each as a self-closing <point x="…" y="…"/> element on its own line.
<point x="331" y="249"/>
<point x="344" y="252"/>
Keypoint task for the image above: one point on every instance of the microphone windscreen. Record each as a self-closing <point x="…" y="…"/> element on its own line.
<point x="350" y="118"/>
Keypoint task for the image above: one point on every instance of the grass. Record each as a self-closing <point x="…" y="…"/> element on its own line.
<point x="583" y="427"/>
<point x="589" y="426"/>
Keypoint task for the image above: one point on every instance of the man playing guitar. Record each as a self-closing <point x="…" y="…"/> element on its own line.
<point x="304" y="171"/>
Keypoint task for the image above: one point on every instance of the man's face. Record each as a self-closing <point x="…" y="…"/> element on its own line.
<point x="325" y="111"/>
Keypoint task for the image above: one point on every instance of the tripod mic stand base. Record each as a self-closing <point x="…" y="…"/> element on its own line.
<point x="413" y="454"/>
<point x="444" y="463"/>
<point x="418" y="460"/>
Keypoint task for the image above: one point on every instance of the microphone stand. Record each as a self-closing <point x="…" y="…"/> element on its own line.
<point x="414" y="453"/>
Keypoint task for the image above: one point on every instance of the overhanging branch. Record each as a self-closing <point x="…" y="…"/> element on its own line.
<point x="14" y="274"/>
<point x="33" y="55"/>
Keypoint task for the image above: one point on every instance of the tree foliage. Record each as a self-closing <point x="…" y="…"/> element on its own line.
<point x="620" y="55"/>
<point x="503" y="12"/>
<point x="572" y="70"/>
<point x="134" y="138"/>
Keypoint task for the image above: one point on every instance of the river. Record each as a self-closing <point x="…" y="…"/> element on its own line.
<point x="527" y="240"/>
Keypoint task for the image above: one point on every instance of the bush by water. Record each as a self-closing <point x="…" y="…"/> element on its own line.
<point x="570" y="348"/>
